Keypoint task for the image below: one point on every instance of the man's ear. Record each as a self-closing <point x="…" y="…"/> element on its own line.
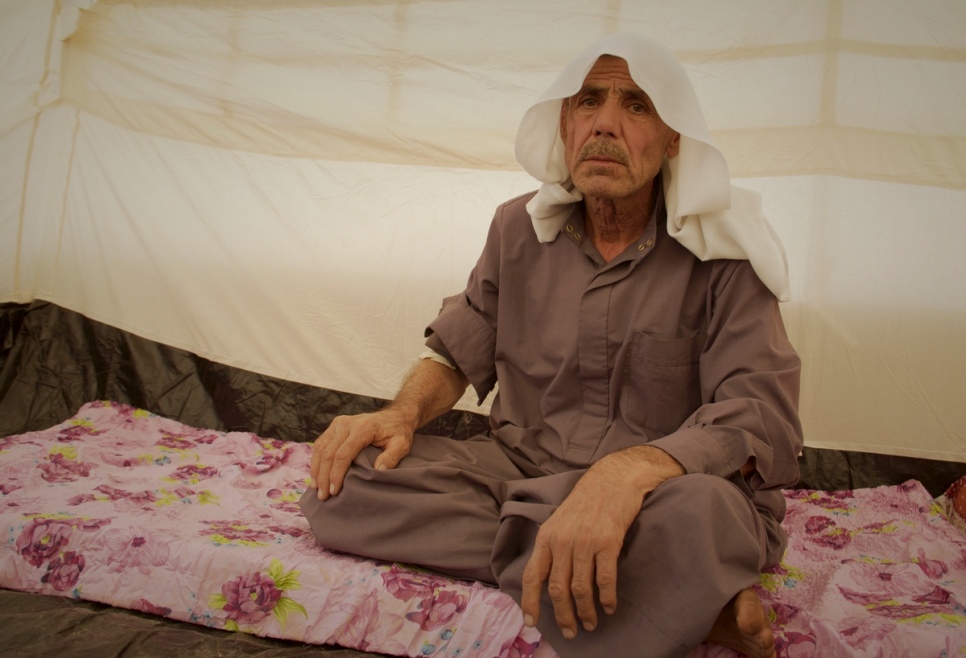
<point x="674" y="146"/>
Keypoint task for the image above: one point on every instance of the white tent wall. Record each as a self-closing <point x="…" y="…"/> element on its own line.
<point x="292" y="187"/>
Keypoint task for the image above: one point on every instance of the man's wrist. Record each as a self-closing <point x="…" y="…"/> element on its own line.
<point x="645" y="467"/>
<point x="409" y="414"/>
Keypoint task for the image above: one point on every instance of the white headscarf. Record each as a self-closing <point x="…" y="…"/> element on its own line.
<point x="706" y="214"/>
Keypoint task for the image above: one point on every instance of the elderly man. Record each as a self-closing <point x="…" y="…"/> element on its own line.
<point x="628" y="493"/>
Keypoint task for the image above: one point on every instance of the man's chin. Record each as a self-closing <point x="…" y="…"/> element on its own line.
<point x="610" y="185"/>
<point x="603" y="189"/>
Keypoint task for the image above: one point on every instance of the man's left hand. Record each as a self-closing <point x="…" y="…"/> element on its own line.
<point x="578" y="546"/>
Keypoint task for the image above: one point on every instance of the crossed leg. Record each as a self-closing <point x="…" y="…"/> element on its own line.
<point x="686" y="567"/>
<point x="685" y="572"/>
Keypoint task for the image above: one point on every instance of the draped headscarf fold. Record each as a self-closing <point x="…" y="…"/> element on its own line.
<point x="709" y="216"/>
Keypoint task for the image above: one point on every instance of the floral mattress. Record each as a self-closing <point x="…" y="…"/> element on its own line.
<point x="123" y="507"/>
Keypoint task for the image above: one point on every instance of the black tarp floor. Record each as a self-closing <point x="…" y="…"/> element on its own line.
<point x="44" y="626"/>
<point x="53" y="360"/>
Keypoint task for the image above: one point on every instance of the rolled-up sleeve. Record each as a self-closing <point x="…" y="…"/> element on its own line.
<point x="465" y="329"/>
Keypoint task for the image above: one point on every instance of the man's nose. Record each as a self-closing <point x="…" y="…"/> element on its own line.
<point x="607" y="119"/>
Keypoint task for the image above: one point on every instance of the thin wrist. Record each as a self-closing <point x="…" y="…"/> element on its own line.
<point x="645" y="467"/>
<point x="410" y="413"/>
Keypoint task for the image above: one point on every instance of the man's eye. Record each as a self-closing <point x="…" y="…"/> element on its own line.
<point x="639" y="108"/>
<point x="588" y="101"/>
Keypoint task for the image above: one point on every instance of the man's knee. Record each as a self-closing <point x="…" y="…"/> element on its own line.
<point x="315" y="512"/>
<point x="699" y="489"/>
<point x="706" y="509"/>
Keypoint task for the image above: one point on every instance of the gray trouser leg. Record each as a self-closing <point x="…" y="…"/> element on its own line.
<point x="697" y="542"/>
<point x="439" y="508"/>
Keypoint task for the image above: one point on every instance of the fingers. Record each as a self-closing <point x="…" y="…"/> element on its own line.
<point x="607" y="580"/>
<point x="335" y="450"/>
<point x="582" y="587"/>
<point x="569" y="577"/>
<point x="332" y="454"/>
<point x="316" y="471"/>
<point x="571" y="568"/>
<point x="536" y="571"/>
<point x="392" y="454"/>
<point x="559" y="591"/>
<point x="321" y="465"/>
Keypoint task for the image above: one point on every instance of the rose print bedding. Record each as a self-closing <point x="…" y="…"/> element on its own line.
<point x="119" y="506"/>
<point x="126" y="508"/>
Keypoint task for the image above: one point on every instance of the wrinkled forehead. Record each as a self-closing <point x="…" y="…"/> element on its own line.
<point x="608" y="77"/>
<point x="611" y="74"/>
<point x="610" y="70"/>
<point x="609" y="66"/>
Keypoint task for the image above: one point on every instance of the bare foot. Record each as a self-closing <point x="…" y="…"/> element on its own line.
<point x="742" y="626"/>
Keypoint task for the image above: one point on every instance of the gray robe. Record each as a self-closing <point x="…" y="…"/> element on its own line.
<point x="654" y="347"/>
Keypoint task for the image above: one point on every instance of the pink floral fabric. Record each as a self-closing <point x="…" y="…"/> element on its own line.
<point x="868" y="573"/>
<point x="953" y="503"/>
<point x="123" y="507"/>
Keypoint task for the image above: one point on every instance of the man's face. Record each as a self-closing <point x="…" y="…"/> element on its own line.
<point x="614" y="140"/>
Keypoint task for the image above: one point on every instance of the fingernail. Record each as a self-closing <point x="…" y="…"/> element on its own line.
<point x="568" y="633"/>
<point x="331" y="489"/>
<point x="589" y="626"/>
<point x="313" y="483"/>
<point x="528" y="620"/>
<point x="609" y="610"/>
<point x="322" y="495"/>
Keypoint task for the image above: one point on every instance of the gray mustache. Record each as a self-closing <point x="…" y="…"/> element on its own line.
<point x="604" y="148"/>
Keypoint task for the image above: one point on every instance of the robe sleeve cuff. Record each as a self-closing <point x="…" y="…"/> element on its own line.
<point x="464" y="337"/>
<point x="699" y="452"/>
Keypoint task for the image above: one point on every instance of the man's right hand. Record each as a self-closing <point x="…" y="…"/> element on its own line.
<point x="430" y="390"/>
<point x="334" y="451"/>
